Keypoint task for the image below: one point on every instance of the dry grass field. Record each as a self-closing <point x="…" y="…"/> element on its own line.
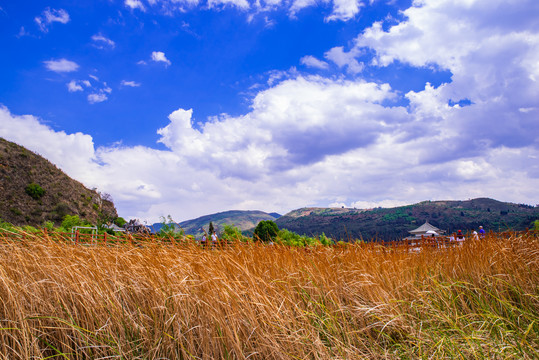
<point x="58" y="300"/>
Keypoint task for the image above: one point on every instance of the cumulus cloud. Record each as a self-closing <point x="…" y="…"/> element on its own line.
<point x="159" y="56"/>
<point x="491" y="64"/>
<point x="344" y="10"/>
<point x="345" y="59"/>
<point x="73" y="86"/>
<point x="102" y="42"/>
<point x="312" y="62"/>
<point x="130" y="83"/>
<point x="97" y="98"/>
<point x="61" y="66"/>
<point x="50" y="16"/>
<point x="135" y="4"/>
<point x="296" y="123"/>
<point x="298" y="5"/>
<point x="74" y="153"/>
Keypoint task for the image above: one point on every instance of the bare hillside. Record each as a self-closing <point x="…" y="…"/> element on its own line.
<point x="33" y="190"/>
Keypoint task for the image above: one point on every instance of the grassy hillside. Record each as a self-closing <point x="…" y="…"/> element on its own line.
<point x="239" y="218"/>
<point x="394" y="223"/>
<point x="476" y="301"/>
<point x="33" y="190"/>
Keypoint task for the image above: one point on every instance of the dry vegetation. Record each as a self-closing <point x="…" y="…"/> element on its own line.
<point x="480" y="300"/>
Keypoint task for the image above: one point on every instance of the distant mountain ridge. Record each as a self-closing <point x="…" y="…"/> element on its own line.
<point x="242" y="219"/>
<point x="33" y="190"/>
<point x="394" y="223"/>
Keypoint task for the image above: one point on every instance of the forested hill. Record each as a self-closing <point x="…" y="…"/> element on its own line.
<point x="394" y="223"/>
<point x="33" y="190"/>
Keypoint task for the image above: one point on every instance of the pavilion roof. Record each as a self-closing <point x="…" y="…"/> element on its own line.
<point x="424" y="228"/>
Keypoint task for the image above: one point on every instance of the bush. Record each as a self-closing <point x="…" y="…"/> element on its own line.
<point x="49" y="225"/>
<point x="61" y="210"/>
<point x="232" y="233"/>
<point x="286" y="237"/>
<point x="35" y="191"/>
<point x="266" y="230"/>
<point x="71" y="221"/>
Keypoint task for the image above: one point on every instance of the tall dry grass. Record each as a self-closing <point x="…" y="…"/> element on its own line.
<point x="480" y="300"/>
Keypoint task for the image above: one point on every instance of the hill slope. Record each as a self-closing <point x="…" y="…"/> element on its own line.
<point x="395" y="223"/>
<point x="242" y="219"/>
<point x="62" y="195"/>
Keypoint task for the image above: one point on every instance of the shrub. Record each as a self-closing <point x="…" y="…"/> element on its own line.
<point x="232" y="233"/>
<point x="324" y="240"/>
<point x="16" y="211"/>
<point x="61" y="210"/>
<point x="71" y="221"/>
<point x="49" y="225"/>
<point x="35" y="191"/>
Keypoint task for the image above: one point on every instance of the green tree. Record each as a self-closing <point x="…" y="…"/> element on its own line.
<point x="120" y="221"/>
<point x="266" y="231"/>
<point x="169" y="229"/>
<point x="35" y="191"/>
<point x="211" y="229"/>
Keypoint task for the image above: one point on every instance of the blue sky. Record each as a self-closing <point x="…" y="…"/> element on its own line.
<point x="192" y="107"/>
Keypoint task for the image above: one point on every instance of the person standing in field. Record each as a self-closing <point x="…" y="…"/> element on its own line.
<point x="203" y="241"/>
<point x="214" y="239"/>
<point x="460" y="236"/>
<point x="475" y="236"/>
<point x="481" y="232"/>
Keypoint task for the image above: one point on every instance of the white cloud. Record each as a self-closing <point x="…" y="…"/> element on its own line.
<point x="50" y="16"/>
<point x="130" y="83"/>
<point x="491" y="65"/>
<point x="312" y="62"/>
<point x="73" y="152"/>
<point x="147" y="183"/>
<point x="101" y="42"/>
<point x="23" y="32"/>
<point x="98" y="90"/>
<point x="135" y="4"/>
<point x="73" y="86"/>
<point x="159" y="56"/>
<point x="298" y="5"/>
<point x="62" y="65"/>
<point x="345" y="59"/>
<point x="241" y="4"/>
<point x="344" y="10"/>
<point x="97" y="98"/>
